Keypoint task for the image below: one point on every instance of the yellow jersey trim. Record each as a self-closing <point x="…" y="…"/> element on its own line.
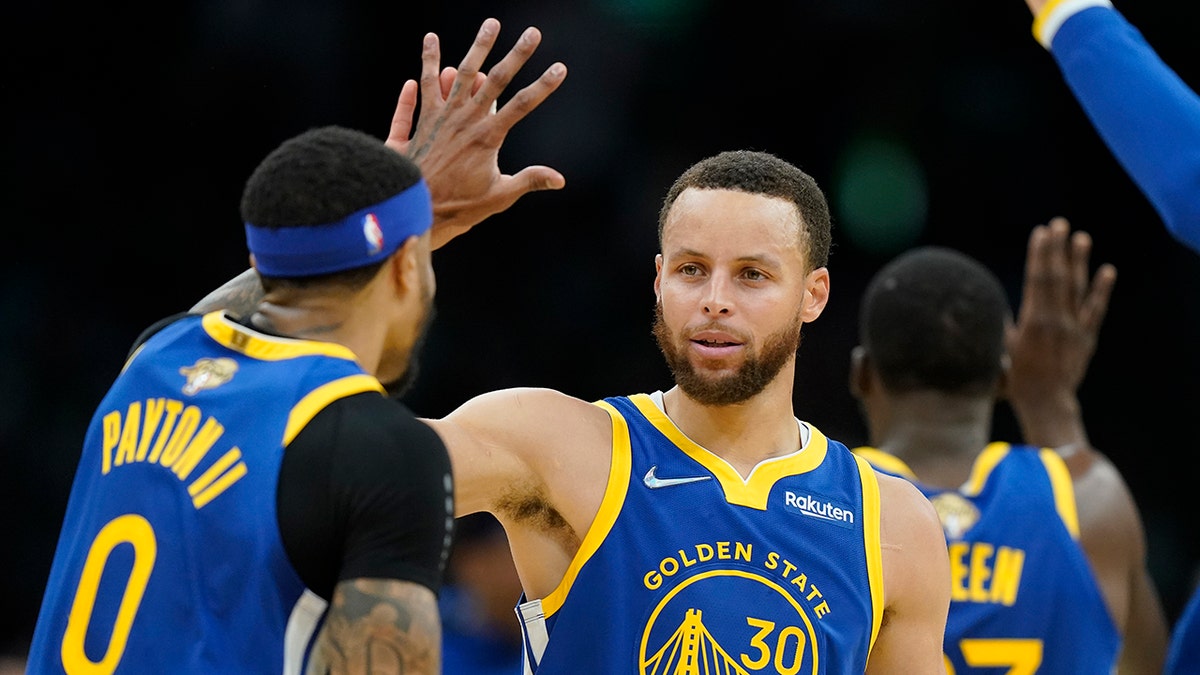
<point x="886" y="462"/>
<point x="316" y="400"/>
<point x="265" y="347"/>
<point x="610" y="507"/>
<point x="751" y="492"/>
<point x="1055" y="13"/>
<point x="1064" y="489"/>
<point x="984" y="464"/>
<point x="872" y="542"/>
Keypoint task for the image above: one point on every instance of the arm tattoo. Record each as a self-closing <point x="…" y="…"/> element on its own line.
<point x="239" y="296"/>
<point x="381" y="626"/>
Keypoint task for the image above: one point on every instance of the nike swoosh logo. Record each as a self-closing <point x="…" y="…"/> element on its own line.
<point x="654" y="482"/>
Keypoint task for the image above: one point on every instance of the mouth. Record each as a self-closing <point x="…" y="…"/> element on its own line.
<point x="714" y="348"/>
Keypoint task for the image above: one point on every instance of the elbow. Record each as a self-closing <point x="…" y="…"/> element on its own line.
<point x="1181" y="213"/>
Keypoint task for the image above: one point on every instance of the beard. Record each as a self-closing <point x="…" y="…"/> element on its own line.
<point x="398" y="387"/>
<point x="748" y="381"/>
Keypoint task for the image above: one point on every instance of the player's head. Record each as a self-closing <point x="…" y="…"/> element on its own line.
<point x="334" y="209"/>
<point x="933" y="319"/>
<point x="761" y="173"/>
<point x="745" y="239"/>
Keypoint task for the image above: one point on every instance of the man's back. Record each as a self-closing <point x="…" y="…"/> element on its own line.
<point x="1023" y="593"/>
<point x="938" y="347"/>
<point x="170" y="557"/>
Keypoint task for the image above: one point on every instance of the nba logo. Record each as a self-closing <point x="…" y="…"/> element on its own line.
<point x="372" y="234"/>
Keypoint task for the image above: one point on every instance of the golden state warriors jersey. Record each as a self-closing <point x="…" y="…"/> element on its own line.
<point x="1023" y="597"/>
<point x="690" y="569"/>
<point x="1183" y="653"/>
<point x="170" y="558"/>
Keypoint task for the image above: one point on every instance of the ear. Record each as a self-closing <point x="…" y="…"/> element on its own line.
<point x="404" y="266"/>
<point x="860" y="372"/>
<point x="816" y="294"/>
<point x="253" y="261"/>
<point x="658" y="266"/>
<point x="1003" y="381"/>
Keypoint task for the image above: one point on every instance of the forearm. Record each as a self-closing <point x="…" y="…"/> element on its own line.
<point x="1052" y="423"/>
<point x="239" y="296"/>
<point x="1148" y="117"/>
<point x="380" y="626"/>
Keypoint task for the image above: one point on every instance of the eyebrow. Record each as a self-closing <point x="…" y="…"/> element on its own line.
<point x="760" y="259"/>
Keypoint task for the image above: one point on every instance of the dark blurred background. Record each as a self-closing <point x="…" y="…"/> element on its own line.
<point x="132" y="128"/>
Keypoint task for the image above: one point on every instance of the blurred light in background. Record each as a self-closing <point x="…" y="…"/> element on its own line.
<point x="879" y="195"/>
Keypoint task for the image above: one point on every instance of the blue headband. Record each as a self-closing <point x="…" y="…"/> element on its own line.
<point x="361" y="238"/>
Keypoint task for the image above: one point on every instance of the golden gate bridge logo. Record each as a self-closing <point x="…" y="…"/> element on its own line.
<point x="782" y="641"/>
<point x="692" y="651"/>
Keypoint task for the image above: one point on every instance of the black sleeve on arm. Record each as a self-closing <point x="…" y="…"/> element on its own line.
<point x="365" y="491"/>
<point x="154" y="328"/>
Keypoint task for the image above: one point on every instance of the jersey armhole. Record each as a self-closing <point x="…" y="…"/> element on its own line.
<point x="1063" y="488"/>
<point x="872" y="546"/>
<point x="610" y="507"/>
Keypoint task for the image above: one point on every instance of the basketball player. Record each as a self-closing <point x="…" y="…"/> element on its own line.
<point x="246" y="482"/>
<point x="706" y="528"/>
<point x="1047" y="549"/>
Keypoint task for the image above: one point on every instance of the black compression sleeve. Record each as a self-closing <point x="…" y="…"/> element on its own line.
<point x="364" y="491"/>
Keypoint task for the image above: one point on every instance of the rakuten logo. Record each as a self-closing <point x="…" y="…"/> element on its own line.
<point x="815" y="507"/>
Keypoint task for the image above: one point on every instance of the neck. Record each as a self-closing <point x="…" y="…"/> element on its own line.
<point x="336" y="318"/>
<point x="743" y="434"/>
<point x="936" y="435"/>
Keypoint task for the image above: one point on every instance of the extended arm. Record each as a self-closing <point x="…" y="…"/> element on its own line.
<point x="1051" y="345"/>
<point x="1147" y="115"/>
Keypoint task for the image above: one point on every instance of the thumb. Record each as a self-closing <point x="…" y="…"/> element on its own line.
<point x="536" y="178"/>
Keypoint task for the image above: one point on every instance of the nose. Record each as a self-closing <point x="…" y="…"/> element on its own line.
<point x="718" y="300"/>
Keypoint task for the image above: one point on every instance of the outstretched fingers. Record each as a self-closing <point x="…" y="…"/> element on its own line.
<point x="1058" y="264"/>
<point x="402" y="118"/>
<point x="1095" y="304"/>
<point x="1039" y="281"/>
<point x="472" y="64"/>
<point x="531" y="96"/>
<point x="431" y="70"/>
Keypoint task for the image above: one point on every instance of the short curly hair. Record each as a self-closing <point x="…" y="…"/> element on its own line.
<point x="934" y="318"/>
<point x="321" y="176"/>
<point x="762" y="173"/>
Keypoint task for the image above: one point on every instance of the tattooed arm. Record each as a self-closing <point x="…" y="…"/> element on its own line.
<point x="239" y="296"/>
<point x="379" y="626"/>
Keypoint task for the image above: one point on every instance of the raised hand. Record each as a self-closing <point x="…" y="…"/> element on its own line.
<point x="460" y="129"/>
<point x="1055" y="336"/>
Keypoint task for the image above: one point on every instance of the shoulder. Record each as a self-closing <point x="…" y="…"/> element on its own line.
<point x="528" y="441"/>
<point x="156" y="328"/>
<point x="529" y="414"/>
<point x="910" y="531"/>
<point x="371" y="430"/>
<point x="903" y="505"/>
<point x="1103" y="499"/>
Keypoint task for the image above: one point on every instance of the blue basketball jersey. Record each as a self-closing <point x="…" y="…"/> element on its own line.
<point x="1023" y="596"/>
<point x="170" y="558"/>
<point x="1183" y="654"/>
<point x="688" y="568"/>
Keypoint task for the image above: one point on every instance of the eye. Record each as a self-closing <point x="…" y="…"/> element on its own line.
<point x="690" y="269"/>
<point x="754" y="275"/>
